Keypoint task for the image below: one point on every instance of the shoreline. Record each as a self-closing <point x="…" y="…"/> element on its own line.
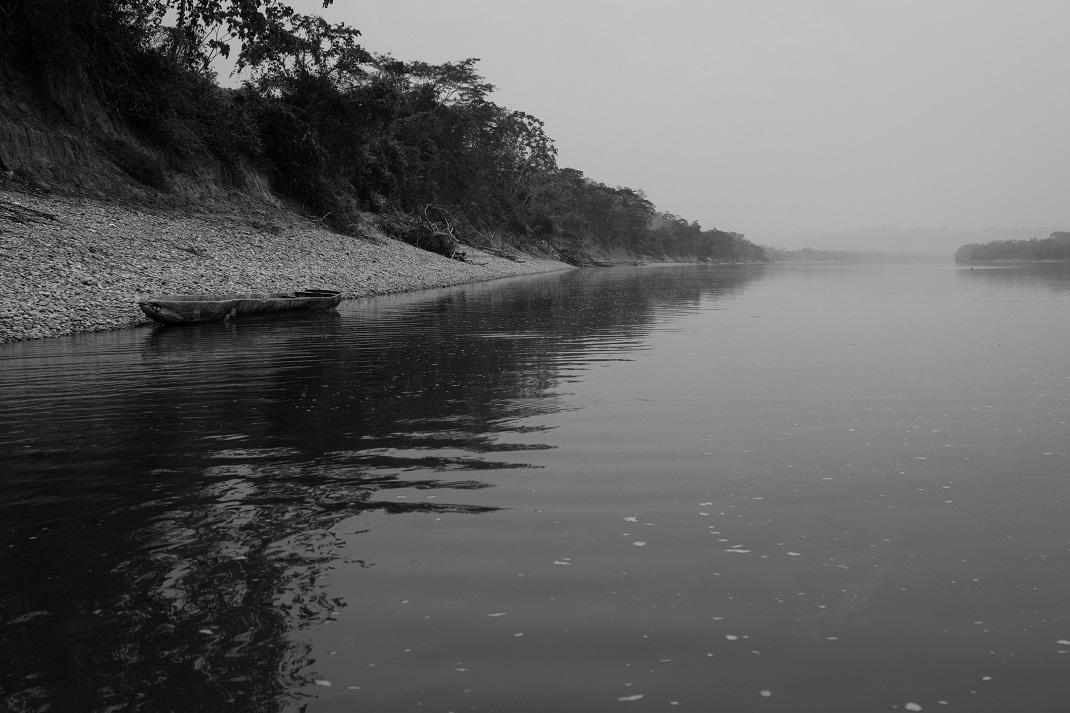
<point x="71" y="265"/>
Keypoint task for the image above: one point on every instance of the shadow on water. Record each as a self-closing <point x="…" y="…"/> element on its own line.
<point x="168" y="495"/>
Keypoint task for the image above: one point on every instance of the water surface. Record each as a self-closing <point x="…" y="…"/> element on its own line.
<point x="699" y="488"/>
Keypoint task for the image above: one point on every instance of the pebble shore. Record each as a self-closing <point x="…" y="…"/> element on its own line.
<point x="72" y="265"/>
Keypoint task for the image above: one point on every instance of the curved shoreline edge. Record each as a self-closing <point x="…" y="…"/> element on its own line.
<point x="70" y="265"/>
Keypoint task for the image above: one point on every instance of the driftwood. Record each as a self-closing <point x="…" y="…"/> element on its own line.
<point x="500" y="253"/>
<point x="489" y="242"/>
<point x="317" y="221"/>
<point x="572" y="254"/>
<point x="21" y="214"/>
<point x="430" y="229"/>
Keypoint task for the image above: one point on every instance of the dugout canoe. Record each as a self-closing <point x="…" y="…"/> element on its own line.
<point x="190" y="309"/>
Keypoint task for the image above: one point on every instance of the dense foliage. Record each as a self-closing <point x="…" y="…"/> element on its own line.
<point x="337" y="128"/>
<point x="1055" y="247"/>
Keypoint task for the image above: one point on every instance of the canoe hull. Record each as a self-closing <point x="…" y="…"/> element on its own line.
<point x="192" y="309"/>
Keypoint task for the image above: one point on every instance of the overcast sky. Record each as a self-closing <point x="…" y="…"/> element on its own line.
<point x="778" y="117"/>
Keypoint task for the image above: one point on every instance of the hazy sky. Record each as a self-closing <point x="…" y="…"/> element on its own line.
<point x="778" y="116"/>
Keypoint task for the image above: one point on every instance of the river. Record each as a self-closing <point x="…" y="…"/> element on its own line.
<point x="705" y="488"/>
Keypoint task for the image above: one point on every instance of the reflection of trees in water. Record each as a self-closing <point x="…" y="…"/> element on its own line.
<point x="1053" y="276"/>
<point x="181" y="498"/>
<point x="204" y="576"/>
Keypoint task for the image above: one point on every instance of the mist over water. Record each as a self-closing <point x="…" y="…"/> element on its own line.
<point x="738" y="488"/>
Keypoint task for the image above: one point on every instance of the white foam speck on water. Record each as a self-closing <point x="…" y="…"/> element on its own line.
<point x="322" y="682"/>
<point x="738" y="551"/>
<point x="912" y="707"/>
<point x="1063" y="642"/>
<point x="352" y="688"/>
<point x="705" y="504"/>
<point x="731" y="637"/>
<point x="765" y="693"/>
<point x="986" y="678"/>
<point x="795" y="554"/>
<point x="562" y="562"/>
<point x="518" y="634"/>
<point x="496" y="614"/>
<point x="631" y="518"/>
<point x="639" y="543"/>
<point x="629" y="699"/>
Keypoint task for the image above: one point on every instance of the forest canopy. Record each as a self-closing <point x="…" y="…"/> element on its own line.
<point x="336" y="128"/>
<point x="1054" y="247"/>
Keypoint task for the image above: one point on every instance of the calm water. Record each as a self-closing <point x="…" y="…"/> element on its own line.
<point x="644" y="489"/>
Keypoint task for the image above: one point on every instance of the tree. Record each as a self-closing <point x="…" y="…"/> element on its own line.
<point x="206" y="27"/>
<point x="315" y="51"/>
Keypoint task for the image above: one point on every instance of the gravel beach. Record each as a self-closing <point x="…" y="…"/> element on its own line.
<point x="72" y="265"/>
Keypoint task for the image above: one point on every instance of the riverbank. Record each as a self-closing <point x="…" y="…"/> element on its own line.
<point x="70" y="264"/>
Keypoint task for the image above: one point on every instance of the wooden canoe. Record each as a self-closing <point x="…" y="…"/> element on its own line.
<point x="188" y="309"/>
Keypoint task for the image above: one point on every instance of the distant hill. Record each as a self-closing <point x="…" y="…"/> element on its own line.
<point x="1054" y="247"/>
<point x="922" y="241"/>
<point x="850" y="256"/>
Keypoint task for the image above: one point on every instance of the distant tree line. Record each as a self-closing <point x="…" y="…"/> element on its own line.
<point x="1055" y="247"/>
<point x="336" y="128"/>
<point x="846" y="256"/>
